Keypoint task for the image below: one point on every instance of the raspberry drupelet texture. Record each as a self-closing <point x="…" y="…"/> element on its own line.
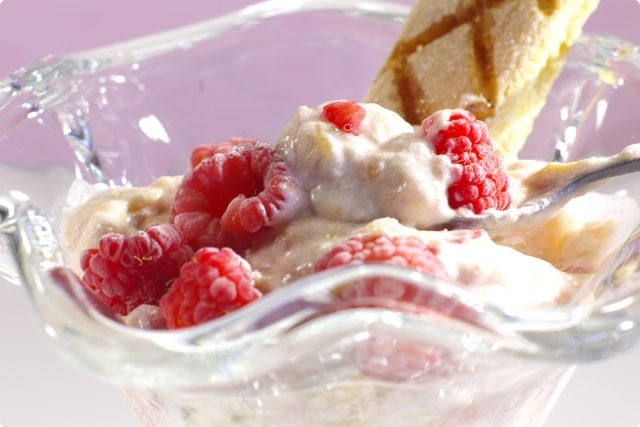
<point x="391" y="358"/>
<point x="482" y="184"/>
<point x="233" y="195"/>
<point x="214" y="283"/>
<point x="127" y="271"/>
<point x="345" y="115"/>
<point x="205" y="151"/>
<point x="402" y="251"/>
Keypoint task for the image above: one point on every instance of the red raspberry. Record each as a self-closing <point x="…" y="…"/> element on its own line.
<point x="403" y="251"/>
<point x="127" y="271"/>
<point x="483" y="184"/>
<point x="229" y="197"/>
<point x="205" y="151"/>
<point x="345" y="115"/>
<point x="215" y="282"/>
<point x="201" y="230"/>
<point x="398" y="359"/>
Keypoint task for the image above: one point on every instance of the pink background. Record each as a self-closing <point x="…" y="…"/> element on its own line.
<point x="37" y="388"/>
<point x="30" y="29"/>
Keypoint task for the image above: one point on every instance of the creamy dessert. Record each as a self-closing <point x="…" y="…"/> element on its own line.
<point x="352" y="183"/>
<point x="347" y="181"/>
<point x="344" y="166"/>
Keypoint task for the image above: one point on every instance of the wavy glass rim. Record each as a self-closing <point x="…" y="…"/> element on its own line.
<point x="558" y="334"/>
<point x="297" y="313"/>
<point x="36" y="78"/>
<point x="184" y="37"/>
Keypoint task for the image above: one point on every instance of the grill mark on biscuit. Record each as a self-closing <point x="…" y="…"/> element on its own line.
<point x="483" y="52"/>
<point x="410" y="94"/>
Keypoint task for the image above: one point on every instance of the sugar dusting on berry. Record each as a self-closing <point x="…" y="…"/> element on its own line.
<point x="398" y="359"/>
<point x="214" y="283"/>
<point x="399" y="250"/>
<point x="482" y="184"/>
<point x="204" y="151"/>
<point x="402" y="251"/>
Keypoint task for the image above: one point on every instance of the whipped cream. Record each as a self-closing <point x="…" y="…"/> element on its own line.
<point x="385" y="181"/>
<point x="495" y="272"/>
<point x="92" y="211"/>
<point x="389" y="170"/>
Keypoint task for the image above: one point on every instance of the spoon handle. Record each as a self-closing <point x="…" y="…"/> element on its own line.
<point x="623" y="163"/>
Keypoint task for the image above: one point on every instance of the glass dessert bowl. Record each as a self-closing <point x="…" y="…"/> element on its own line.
<point x="127" y="114"/>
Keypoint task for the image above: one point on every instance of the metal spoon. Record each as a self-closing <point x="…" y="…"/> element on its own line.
<point x="564" y="182"/>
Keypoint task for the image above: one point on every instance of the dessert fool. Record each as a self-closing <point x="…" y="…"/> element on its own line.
<point x="346" y="183"/>
<point x="352" y="183"/>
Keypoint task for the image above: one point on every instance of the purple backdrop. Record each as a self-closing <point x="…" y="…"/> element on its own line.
<point x="30" y="29"/>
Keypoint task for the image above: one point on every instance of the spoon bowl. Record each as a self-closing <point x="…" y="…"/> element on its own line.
<point x="548" y="190"/>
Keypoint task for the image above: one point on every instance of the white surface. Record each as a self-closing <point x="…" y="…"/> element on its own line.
<point x="601" y="394"/>
<point x="37" y="387"/>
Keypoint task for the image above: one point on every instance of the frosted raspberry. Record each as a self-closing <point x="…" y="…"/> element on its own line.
<point x="345" y="115"/>
<point x="391" y="358"/>
<point x="483" y="184"/>
<point x="204" y="151"/>
<point x="230" y="197"/>
<point x="403" y="251"/>
<point x="215" y="282"/>
<point x="383" y="356"/>
<point x="127" y="271"/>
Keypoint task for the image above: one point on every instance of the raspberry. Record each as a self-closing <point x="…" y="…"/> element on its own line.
<point x="201" y="230"/>
<point x="483" y="184"/>
<point x="403" y="251"/>
<point x="215" y="282"/>
<point x="229" y="197"/>
<point x="127" y="271"/>
<point x="398" y="359"/>
<point x="205" y="151"/>
<point x="345" y="115"/>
